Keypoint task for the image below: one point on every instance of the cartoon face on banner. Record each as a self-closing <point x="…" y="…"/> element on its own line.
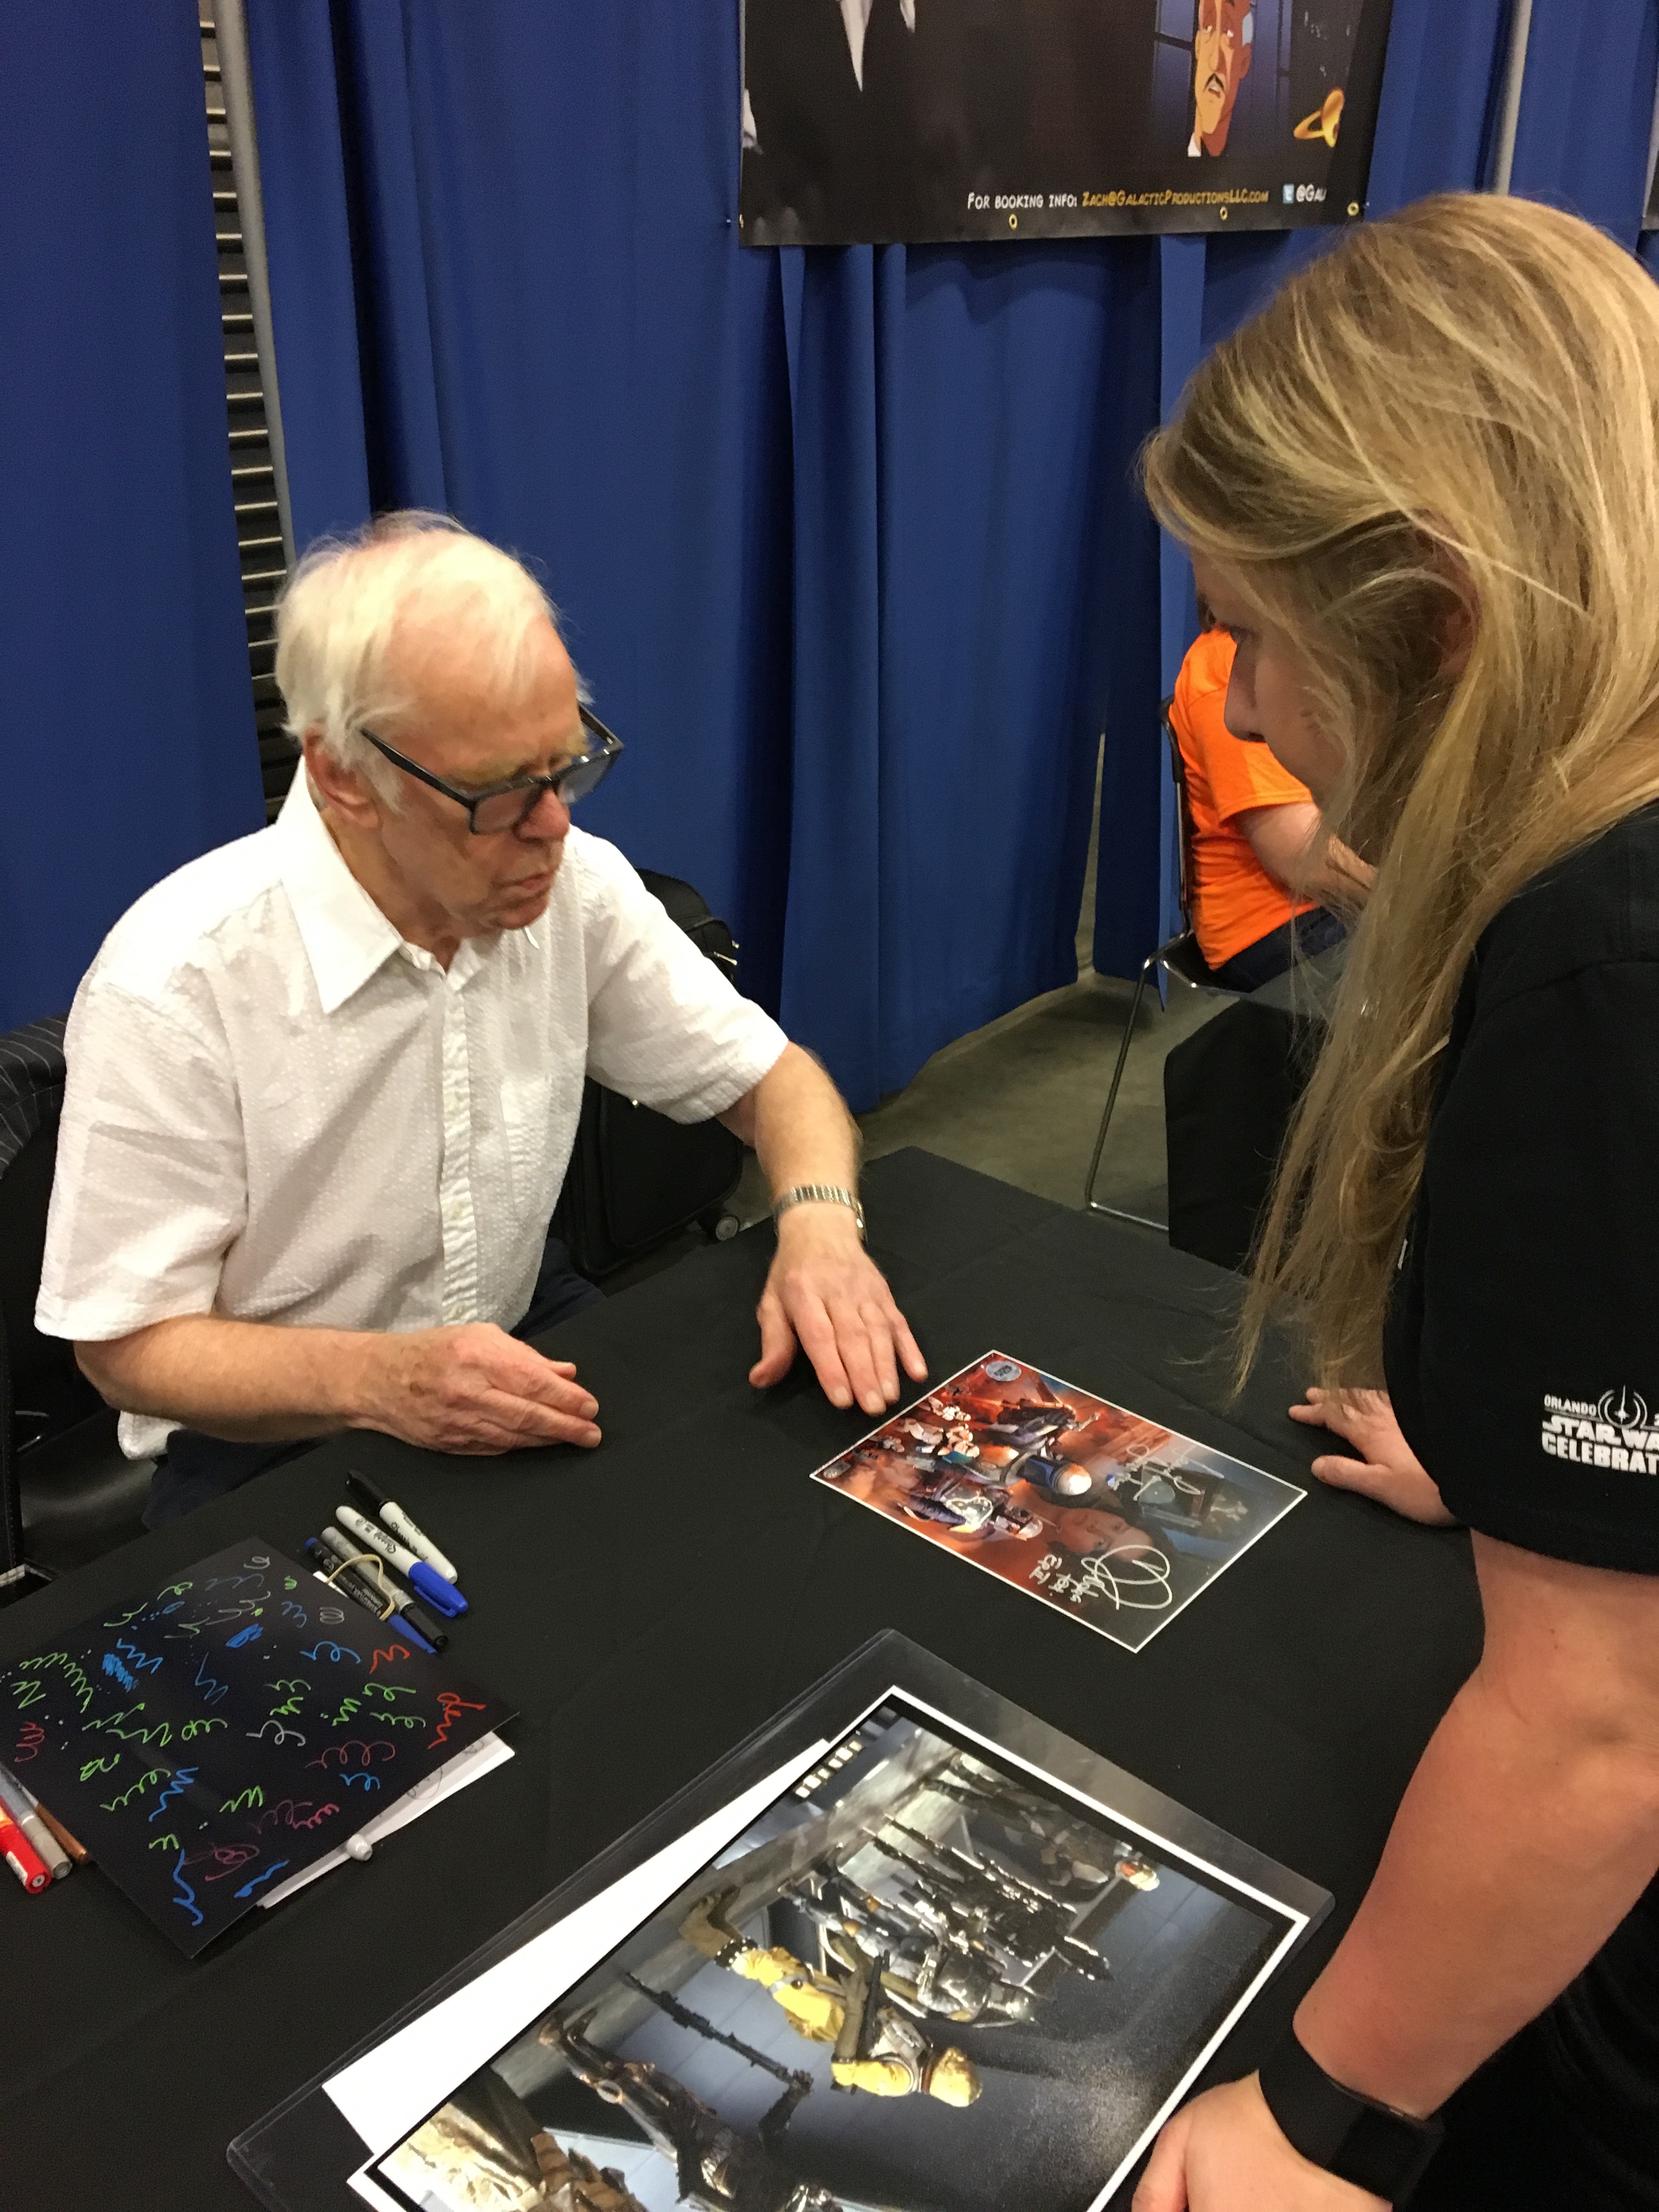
<point x="892" y="120"/>
<point x="1222" y="48"/>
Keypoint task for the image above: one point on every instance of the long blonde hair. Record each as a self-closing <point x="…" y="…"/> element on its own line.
<point x="1455" y="407"/>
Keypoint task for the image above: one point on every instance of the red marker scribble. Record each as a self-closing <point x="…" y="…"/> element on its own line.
<point x="30" y="1737"/>
<point x="229" y="1858"/>
<point x="293" y="1813"/>
<point x="336" y="1754"/>
<point x="390" y="1652"/>
<point x="452" y="1705"/>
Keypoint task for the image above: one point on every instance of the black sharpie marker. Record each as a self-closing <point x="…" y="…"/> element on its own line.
<point x="382" y="1584"/>
<point x="349" y="1583"/>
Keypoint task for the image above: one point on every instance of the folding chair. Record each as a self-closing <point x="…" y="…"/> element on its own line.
<point x="1179" y="956"/>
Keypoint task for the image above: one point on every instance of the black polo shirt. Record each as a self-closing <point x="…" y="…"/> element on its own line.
<point x="1522" y="1341"/>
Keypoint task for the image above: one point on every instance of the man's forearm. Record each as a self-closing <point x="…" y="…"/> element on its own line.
<point x="799" y="1125"/>
<point x="1515" y="1852"/>
<point x="248" y="1381"/>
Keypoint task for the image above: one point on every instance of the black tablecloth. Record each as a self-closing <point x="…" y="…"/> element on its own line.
<point x="647" y="1605"/>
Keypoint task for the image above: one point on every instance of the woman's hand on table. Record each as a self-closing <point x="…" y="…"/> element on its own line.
<point x="1224" y="2153"/>
<point x="1387" y="1469"/>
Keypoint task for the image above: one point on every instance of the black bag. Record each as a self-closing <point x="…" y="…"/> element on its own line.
<point x="1230" y="1091"/>
<point x="636" y="1178"/>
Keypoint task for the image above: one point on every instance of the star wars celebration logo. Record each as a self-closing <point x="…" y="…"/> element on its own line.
<point x="1613" y="1432"/>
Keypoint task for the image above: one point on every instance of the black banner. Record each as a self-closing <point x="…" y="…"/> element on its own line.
<point x="884" y="120"/>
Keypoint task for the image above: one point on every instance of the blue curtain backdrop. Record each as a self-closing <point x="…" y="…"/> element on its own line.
<point x="1587" y="109"/>
<point x="126" y="723"/>
<point x="838" y="538"/>
<point x="846" y="541"/>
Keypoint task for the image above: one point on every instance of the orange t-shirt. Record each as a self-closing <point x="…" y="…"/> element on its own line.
<point x="1235" y="900"/>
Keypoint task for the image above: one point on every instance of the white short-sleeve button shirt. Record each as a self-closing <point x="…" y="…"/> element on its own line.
<point x="279" y="1111"/>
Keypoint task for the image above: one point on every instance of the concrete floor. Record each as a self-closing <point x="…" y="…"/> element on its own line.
<point x="1022" y="1098"/>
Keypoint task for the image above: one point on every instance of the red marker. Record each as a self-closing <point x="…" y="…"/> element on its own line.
<point x="21" y="1856"/>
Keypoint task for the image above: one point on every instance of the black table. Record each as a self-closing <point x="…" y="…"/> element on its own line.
<point x="647" y="1606"/>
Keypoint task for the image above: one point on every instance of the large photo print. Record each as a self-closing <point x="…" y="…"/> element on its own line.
<point x="882" y="120"/>
<point x="923" y="1978"/>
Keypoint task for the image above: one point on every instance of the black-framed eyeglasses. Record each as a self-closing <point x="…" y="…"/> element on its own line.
<point x="505" y="805"/>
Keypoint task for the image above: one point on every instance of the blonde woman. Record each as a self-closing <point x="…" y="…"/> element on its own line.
<point x="1422" y="490"/>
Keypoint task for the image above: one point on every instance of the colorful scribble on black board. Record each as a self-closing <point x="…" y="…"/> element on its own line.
<point x="224" y="1731"/>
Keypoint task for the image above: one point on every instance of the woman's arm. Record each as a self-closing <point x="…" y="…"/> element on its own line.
<point x="1530" y="1828"/>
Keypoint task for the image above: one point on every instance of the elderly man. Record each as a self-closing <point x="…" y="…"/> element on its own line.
<point x="323" y="1082"/>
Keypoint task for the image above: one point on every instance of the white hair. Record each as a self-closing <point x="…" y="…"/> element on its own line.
<point x="339" y="610"/>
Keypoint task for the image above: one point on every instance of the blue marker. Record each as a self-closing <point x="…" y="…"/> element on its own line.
<point x="443" y="1597"/>
<point x="349" y="1583"/>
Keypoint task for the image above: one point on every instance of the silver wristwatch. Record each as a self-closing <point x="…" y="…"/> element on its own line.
<point x="820" y="1193"/>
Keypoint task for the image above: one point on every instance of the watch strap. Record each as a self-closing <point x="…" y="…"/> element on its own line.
<point x="1352" y="2136"/>
<point x="819" y="1193"/>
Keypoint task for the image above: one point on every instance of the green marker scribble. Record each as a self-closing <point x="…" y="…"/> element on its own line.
<point x="136" y="1789"/>
<point x="248" y="1797"/>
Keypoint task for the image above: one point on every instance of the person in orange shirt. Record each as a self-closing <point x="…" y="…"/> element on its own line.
<point x="1258" y="880"/>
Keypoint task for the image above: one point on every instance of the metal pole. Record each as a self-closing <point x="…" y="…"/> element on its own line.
<point x="1515" y="71"/>
<point x="236" y="81"/>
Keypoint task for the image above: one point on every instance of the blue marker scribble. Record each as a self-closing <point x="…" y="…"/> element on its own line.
<point x="141" y="1662"/>
<point x="332" y="1651"/>
<point x="293" y="1611"/>
<point x="188" y="1900"/>
<point x="248" y="1887"/>
<point x="182" y="1778"/>
<point x="369" y="1781"/>
<point x="118" y="1673"/>
<point x="244" y="1636"/>
<point x="211" y="1688"/>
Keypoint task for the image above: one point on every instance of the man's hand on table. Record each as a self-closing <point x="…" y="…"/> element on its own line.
<point x="1387" y="1468"/>
<point x="473" y="1388"/>
<point x="826" y="1294"/>
<point x="1224" y="2153"/>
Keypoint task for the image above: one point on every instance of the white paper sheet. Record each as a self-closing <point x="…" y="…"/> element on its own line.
<point x="390" y="2090"/>
<point x="469" y="1766"/>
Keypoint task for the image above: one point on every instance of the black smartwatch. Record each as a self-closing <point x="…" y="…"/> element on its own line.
<point x="1351" y="2137"/>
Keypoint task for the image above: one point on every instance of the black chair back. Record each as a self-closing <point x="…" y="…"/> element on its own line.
<point x="42" y="1392"/>
<point x="1182" y="953"/>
